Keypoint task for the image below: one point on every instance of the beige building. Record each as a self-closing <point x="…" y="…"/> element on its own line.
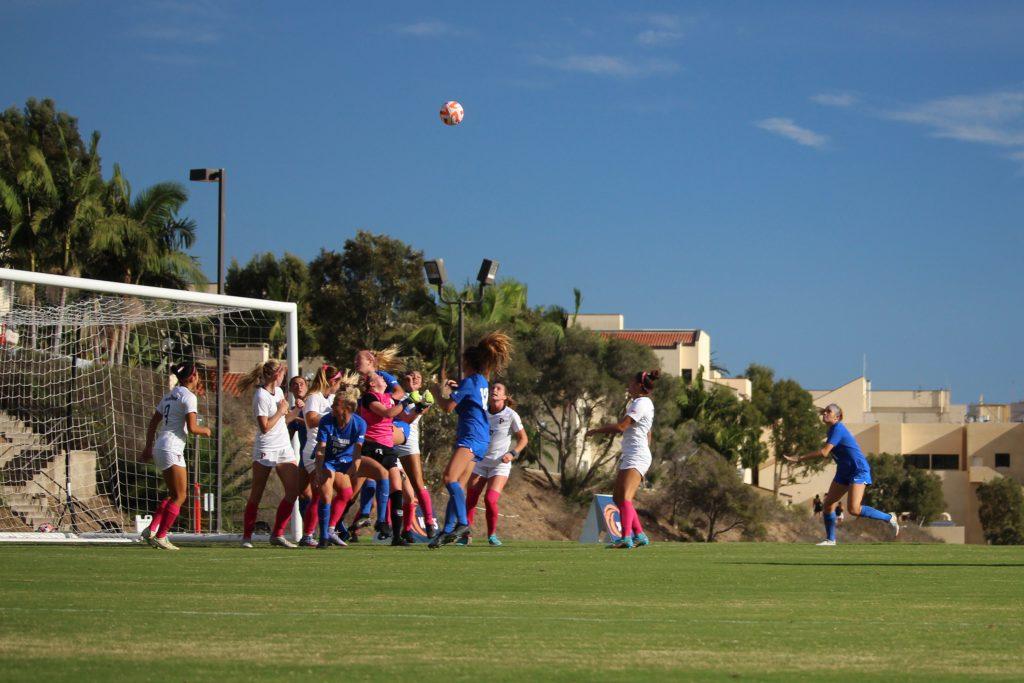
<point x="930" y="431"/>
<point x="683" y="353"/>
<point x="995" y="412"/>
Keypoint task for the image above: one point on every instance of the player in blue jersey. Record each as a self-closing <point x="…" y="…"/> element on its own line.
<point x="339" y="438"/>
<point x="853" y="474"/>
<point x="468" y="398"/>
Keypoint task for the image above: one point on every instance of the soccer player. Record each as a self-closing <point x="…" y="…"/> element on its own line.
<point x="409" y="452"/>
<point x="635" y="427"/>
<point x="468" y="398"/>
<point x="317" y="404"/>
<point x="378" y="408"/>
<point x="298" y="388"/>
<point x="272" y="450"/>
<point x="174" y="419"/>
<point x="853" y="475"/>
<point x="340" y="437"/>
<point x="383" y="363"/>
<point x="492" y="472"/>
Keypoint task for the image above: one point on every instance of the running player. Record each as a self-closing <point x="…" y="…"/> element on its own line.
<point x="272" y="450"/>
<point x="472" y="435"/>
<point x="318" y="403"/>
<point x="175" y="418"/>
<point x="378" y="408"/>
<point x="493" y="471"/>
<point x="853" y="475"/>
<point x="409" y="452"/>
<point x="635" y="427"/>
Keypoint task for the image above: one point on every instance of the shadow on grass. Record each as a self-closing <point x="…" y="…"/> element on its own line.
<point x="882" y="564"/>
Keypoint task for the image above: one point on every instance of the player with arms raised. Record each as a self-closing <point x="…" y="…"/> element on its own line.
<point x="853" y="474"/>
<point x="175" y="417"/>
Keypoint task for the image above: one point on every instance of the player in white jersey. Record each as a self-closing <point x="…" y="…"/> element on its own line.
<point x="272" y="450"/>
<point x="409" y="451"/>
<point x="492" y="472"/>
<point x="317" y="403"/>
<point x="635" y="427"/>
<point x="175" y="418"/>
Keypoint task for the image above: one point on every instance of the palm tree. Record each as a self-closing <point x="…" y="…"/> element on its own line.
<point x="27" y="203"/>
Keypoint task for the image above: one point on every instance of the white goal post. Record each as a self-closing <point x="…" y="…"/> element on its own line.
<point x="82" y="365"/>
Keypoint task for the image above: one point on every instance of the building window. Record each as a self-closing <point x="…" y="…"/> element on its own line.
<point x="1002" y="459"/>
<point x="921" y="462"/>
<point x="687" y="376"/>
<point x="945" y="462"/>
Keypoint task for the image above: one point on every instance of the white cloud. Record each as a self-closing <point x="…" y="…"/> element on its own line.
<point x="990" y="119"/>
<point x="180" y="35"/>
<point x="609" y="65"/>
<point x="431" y="28"/>
<point x="835" y="99"/>
<point x="788" y="129"/>
<point x="661" y="29"/>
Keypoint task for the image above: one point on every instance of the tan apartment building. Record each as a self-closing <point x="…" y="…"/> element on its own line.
<point x="683" y="353"/>
<point x="934" y="434"/>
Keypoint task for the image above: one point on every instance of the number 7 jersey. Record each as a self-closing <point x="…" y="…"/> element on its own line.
<point x="172" y="434"/>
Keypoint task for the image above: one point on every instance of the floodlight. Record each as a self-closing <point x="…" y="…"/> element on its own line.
<point x="436" y="274"/>
<point x="488" y="272"/>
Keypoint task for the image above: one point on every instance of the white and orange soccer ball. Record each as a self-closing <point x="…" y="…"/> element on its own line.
<point x="452" y="113"/>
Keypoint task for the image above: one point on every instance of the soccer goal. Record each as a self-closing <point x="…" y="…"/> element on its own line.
<point x="83" y="364"/>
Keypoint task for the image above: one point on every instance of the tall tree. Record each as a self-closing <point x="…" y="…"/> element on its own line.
<point x="1001" y="511"/>
<point x="284" y="279"/>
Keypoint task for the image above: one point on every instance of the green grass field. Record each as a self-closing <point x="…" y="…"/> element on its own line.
<point x="523" y="611"/>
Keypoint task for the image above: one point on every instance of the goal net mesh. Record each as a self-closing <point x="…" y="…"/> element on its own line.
<point x="81" y="374"/>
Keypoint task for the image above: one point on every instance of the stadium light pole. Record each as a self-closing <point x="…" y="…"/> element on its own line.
<point x="438" y="276"/>
<point x="217" y="175"/>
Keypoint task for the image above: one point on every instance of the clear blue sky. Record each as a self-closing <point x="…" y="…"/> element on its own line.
<point x="807" y="183"/>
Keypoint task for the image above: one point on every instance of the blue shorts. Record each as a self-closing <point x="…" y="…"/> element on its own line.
<point x="479" y="448"/>
<point x="337" y="466"/>
<point x="847" y="477"/>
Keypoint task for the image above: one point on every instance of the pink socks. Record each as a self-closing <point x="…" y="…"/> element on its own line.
<point x="426" y="505"/>
<point x="491" y="501"/>
<point x="309" y="522"/>
<point x="627" y="517"/>
<point x="472" y="498"/>
<point x="170" y="514"/>
<point x="158" y="516"/>
<point x="249" y="520"/>
<point x="284" y="513"/>
<point x="338" y="506"/>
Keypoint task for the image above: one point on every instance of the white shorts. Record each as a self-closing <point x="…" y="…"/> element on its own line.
<point x="639" y="462"/>
<point x="309" y="462"/>
<point x="164" y="459"/>
<point x="410" y="447"/>
<point x="274" y="458"/>
<point x="492" y="467"/>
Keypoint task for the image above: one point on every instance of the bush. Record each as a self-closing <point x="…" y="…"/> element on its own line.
<point x="709" y="498"/>
<point x="900" y="487"/>
<point x="1001" y="511"/>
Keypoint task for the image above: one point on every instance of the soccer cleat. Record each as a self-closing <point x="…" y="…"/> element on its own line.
<point x="460" y="529"/>
<point x="282" y="542"/>
<point x="334" y="539"/>
<point x="493" y="540"/>
<point x="361" y="522"/>
<point x="894" y="522"/>
<point x="431" y="530"/>
<point x="247" y="543"/>
<point x="442" y="538"/>
<point x="641" y="540"/>
<point x="399" y="541"/>
<point x="464" y="539"/>
<point x="826" y="542"/>
<point x="163" y="543"/>
<point x="308" y="542"/>
<point x="625" y="543"/>
<point x="409" y="537"/>
<point x="383" y="530"/>
<point x="147" y="535"/>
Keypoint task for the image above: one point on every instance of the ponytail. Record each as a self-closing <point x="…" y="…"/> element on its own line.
<point x="491" y="354"/>
<point x="646" y="379"/>
<point x="388" y="359"/>
<point x="260" y="374"/>
<point x="183" y="372"/>
<point x="325" y="376"/>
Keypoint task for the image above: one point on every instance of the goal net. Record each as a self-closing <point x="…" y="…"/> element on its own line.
<point x="83" y="365"/>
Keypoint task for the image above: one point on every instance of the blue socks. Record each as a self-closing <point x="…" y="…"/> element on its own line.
<point x="324" y="510"/>
<point x="451" y="516"/>
<point x="383" y="492"/>
<point x="459" y="497"/>
<point x="366" y="495"/>
<point x="830" y="525"/>
<point x="872" y="513"/>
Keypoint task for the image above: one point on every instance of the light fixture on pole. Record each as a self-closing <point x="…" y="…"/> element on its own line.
<point x="438" y="276"/>
<point x="217" y="175"/>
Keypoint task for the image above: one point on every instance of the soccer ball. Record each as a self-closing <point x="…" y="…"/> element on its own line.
<point x="452" y="113"/>
<point x="46" y="528"/>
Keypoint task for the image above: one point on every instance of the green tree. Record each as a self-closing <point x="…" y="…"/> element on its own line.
<point x="361" y="295"/>
<point x="901" y="487"/>
<point x="1001" y="511"/>
<point x="284" y="279"/>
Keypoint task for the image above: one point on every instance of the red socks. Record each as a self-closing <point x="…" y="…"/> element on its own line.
<point x="170" y="514"/>
<point x="472" y="498"/>
<point x="252" y="510"/>
<point x="627" y="515"/>
<point x="312" y="517"/>
<point x="491" y="501"/>
<point x="284" y="513"/>
<point x="339" y="505"/>
<point x="408" y="513"/>
<point x="158" y="516"/>
<point x="426" y="505"/>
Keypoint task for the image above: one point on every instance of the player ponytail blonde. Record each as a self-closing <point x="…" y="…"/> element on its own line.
<point x="261" y="374"/>
<point x="325" y="376"/>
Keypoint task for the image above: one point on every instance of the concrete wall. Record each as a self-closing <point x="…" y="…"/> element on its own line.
<point x="601" y="321"/>
<point x="851" y="397"/>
